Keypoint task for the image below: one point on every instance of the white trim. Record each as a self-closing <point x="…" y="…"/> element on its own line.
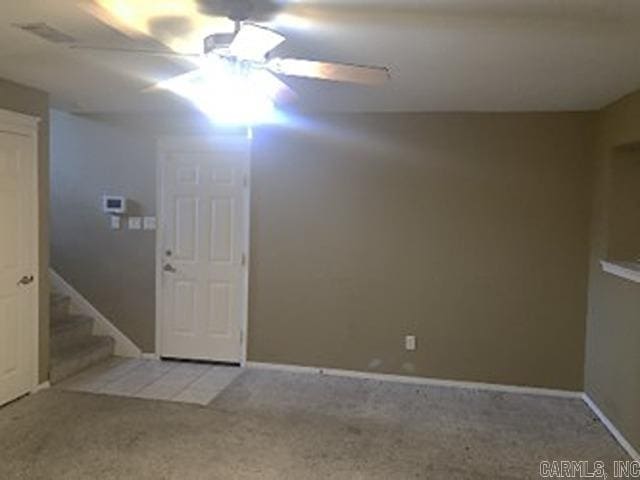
<point x="20" y="120"/>
<point x="624" y="270"/>
<point x="160" y="147"/>
<point x="43" y="386"/>
<point x="124" y="347"/>
<point x="165" y="144"/>
<point x="30" y="124"/>
<point x="247" y="248"/>
<point x="612" y="429"/>
<point x="384" y="377"/>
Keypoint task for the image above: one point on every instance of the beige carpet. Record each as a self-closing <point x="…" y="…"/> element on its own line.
<point x="269" y="425"/>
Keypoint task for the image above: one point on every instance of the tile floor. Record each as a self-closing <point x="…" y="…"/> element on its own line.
<point x="153" y="379"/>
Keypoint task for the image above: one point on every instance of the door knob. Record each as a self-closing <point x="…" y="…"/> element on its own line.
<point x="169" y="268"/>
<point x="26" y="280"/>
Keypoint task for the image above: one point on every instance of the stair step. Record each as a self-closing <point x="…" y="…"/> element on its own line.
<point x="74" y="359"/>
<point x="69" y="331"/>
<point x="59" y="306"/>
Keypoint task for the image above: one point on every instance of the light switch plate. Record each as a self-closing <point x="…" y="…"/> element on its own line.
<point x="135" y="223"/>
<point x="115" y="222"/>
<point x="410" y="342"/>
<point x="149" y="223"/>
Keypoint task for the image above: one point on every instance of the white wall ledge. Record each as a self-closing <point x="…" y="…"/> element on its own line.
<point x="627" y="270"/>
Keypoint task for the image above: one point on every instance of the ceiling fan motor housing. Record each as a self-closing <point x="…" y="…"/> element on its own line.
<point x="239" y="10"/>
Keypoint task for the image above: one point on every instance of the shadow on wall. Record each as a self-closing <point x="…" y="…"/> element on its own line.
<point x="113" y="269"/>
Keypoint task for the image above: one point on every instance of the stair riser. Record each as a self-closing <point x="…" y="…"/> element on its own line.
<point x="60" y="309"/>
<point x="70" y="337"/>
<point x="69" y="367"/>
<point x="72" y="347"/>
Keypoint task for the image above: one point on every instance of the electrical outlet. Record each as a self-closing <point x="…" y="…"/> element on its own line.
<point x="135" y="223"/>
<point x="410" y="342"/>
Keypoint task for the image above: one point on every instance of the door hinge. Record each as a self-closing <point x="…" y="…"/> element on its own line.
<point x="245" y="180"/>
<point x="243" y="261"/>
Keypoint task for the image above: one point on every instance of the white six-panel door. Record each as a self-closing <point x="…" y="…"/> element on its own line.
<point x="18" y="261"/>
<point x="203" y="248"/>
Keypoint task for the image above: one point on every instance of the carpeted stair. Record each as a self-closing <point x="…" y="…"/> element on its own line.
<point x="73" y="347"/>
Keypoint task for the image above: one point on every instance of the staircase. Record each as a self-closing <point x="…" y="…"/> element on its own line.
<point x="72" y="346"/>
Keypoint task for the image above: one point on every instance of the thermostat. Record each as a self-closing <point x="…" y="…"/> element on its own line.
<point x="114" y="205"/>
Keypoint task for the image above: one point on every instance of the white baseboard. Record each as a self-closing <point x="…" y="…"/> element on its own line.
<point x="611" y="427"/>
<point x="418" y="380"/>
<point x="124" y="347"/>
<point x="633" y="453"/>
<point x="40" y="387"/>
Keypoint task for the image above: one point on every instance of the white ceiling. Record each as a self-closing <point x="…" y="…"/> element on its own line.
<point x="445" y="55"/>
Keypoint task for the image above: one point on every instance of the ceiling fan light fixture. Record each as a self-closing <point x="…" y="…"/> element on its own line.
<point x="225" y="94"/>
<point x="217" y="41"/>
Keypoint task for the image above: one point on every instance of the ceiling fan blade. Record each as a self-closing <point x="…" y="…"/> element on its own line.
<point x="140" y="51"/>
<point x="193" y="76"/>
<point x="272" y="86"/>
<point x="253" y="42"/>
<point x="337" y="72"/>
<point x="178" y="24"/>
<point x="111" y="20"/>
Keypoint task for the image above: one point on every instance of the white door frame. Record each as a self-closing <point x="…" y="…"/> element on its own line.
<point x="26" y="125"/>
<point x="165" y="144"/>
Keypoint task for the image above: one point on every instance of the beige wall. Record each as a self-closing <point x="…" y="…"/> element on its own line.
<point x="26" y="100"/>
<point x="114" y="270"/>
<point x="467" y="230"/>
<point x="623" y="204"/>
<point x="612" y="371"/>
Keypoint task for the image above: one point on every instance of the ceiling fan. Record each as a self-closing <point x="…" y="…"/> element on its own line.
<point x="246" y="52"/>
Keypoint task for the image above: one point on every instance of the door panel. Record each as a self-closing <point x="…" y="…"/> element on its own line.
<point x="9" y="354"/>
<point x="184" y="312"/>
<point x="221" y="232"/>
<point x="220" y="309"/>
<point x="186" y="228"/>
<point x="17" y="259"/>
<point x="204" y="236"/>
